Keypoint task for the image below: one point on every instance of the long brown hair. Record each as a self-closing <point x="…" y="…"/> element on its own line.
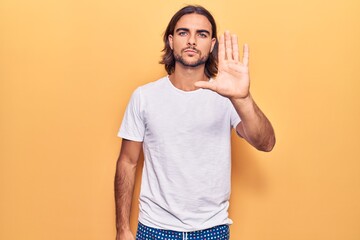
<point x="168" y="59"/>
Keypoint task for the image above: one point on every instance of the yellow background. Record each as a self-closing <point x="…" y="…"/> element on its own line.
<point x="68" y="68"/>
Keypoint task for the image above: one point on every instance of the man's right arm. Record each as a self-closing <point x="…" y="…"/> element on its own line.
<point x="124" y="186"/>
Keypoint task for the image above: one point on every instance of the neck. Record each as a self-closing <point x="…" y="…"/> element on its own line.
<point x="184" y="78"/>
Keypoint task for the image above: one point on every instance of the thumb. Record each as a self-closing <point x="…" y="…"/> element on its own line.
<point x="207" y="85"/>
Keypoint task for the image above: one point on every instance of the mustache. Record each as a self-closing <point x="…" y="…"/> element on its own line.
<point x="190" y="48"/>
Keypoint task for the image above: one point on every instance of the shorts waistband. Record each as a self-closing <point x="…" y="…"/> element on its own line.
<point x="220" y="232"/>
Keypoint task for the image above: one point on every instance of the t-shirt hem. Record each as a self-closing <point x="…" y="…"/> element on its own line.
<point x="236" y="123"/>
<point x="184" y="229"/>
<point x="129" y="137"/>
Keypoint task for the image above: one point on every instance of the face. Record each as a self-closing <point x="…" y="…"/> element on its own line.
<point x="192" y="42"/>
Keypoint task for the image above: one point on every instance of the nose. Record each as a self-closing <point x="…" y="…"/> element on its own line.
<point x="191" y="41"/>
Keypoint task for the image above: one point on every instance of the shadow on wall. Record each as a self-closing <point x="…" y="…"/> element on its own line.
<point x="249" y="181"/>
<point x="246" y="172"/>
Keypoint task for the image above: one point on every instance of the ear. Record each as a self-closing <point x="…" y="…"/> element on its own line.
<point x="213" y="41"/>
<point x="170" y="38"/>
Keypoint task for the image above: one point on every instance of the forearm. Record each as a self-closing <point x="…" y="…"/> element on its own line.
<point x="255" y="127"/>
<point x="124" y="188"/>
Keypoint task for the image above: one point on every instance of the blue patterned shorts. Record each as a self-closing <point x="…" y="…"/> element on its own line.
<point x="220" y="232"/>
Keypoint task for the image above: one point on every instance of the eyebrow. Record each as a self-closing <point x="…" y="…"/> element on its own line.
<point x="187" y="30"/>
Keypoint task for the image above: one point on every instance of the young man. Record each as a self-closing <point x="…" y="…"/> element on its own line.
<point x="183" y="124"/>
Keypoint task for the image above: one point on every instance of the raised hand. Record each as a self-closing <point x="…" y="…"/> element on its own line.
<point x="232" y="80"/>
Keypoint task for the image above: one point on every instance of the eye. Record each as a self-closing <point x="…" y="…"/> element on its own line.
<point x="182" y="33"/>
<point x="203" y="35"/>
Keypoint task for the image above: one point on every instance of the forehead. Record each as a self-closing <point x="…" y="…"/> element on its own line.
<point x="194" y="21"/>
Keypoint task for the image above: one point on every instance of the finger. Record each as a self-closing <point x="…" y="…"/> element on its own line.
<point x="228" y="47"/>
<point x="205" y="85"/>
<point x="221" y="54"/>
<point x="246" y="55"/>
<point x="235" y="47"/>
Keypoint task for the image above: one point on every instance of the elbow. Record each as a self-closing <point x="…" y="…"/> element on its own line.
<point x="266" y="146"/>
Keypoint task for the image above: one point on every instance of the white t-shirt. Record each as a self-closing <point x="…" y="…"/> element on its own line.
<point x="186" y="142"/>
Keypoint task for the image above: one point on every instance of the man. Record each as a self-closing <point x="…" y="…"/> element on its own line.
<point x="183" y="124"/>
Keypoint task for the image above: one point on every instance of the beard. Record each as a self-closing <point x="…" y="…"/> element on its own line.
<point x="201" y="60"/>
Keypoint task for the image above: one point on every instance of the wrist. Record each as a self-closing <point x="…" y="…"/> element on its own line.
<point x="123" y="228"/>
<point x="241" y="100"/>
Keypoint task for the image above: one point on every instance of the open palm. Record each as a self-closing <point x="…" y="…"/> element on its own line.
<point x="232" y="80"/>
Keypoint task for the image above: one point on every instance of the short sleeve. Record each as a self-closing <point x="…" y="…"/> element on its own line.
<point x="234" y="116"/>
<point x="132" y="126"/>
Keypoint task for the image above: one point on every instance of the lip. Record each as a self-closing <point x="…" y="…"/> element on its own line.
<point x="190" y="50"/>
